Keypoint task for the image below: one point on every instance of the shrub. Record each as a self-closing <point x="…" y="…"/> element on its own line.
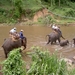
<point x="14" y="65"/>
<point x="45" y="64"/>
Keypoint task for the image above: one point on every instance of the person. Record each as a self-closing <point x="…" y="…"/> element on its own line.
<point x="57" y="29"/>
<point x="21" y="34"/>
<point x="13" y="30"/>
<point x="13" y="34"/>
<point x="54" y="28"/>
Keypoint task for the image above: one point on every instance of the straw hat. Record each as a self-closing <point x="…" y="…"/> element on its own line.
<point x="21" y="30"/>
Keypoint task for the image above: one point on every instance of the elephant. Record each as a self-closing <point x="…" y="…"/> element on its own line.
<point x="64" y="43"/>
<point x="9" y="45"/>
<point x="54" y="36"/>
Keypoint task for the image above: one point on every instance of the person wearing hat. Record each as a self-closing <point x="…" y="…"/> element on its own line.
<point x="21" y="34"/>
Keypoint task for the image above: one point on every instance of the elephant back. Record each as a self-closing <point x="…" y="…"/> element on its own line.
<point x="10" y="44"/>
<point x="54" y="35"/>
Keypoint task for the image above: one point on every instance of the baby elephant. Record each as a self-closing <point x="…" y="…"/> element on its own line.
<point x="64" y="43"/>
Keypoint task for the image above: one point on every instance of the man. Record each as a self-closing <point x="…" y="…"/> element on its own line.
<point x="13" y="30"/>
<point x="13" y="34"/>
<point x="57" y="29"/>
<point x="54" y="28"/>
<point x="21" y="34"/>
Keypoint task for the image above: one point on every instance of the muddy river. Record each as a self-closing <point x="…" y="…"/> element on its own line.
<point x="36" y="36"/>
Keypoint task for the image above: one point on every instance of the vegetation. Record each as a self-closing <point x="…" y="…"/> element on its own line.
<point x="15" y="10"/>
<point x="14" y="65"/>
<point x="43" y="63"/>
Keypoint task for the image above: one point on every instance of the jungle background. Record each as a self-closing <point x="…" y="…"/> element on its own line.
<point x="33" y="12"/>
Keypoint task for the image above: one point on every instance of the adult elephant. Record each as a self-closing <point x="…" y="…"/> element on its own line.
<point x="54" y="36"/>
<point x="9" y="45"/>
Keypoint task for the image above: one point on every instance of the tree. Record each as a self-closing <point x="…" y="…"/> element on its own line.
<point x="18" y="11"/>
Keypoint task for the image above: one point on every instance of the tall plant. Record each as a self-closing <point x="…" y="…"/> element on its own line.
<point x="45" y="64"/>
<point x="14" y="65"/>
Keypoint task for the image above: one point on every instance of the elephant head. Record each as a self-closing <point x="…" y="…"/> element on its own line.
<point x="9" y="45"/>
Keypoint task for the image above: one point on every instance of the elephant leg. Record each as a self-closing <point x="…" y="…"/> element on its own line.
<point x="5" y="53"/>
<point x="51" y="42"/>
<point x="59" y="40"/>
<point x="55" y="41"/>
<point x="48" y="41"/>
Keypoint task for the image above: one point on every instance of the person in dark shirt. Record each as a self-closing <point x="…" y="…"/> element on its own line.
<point x="21" y="34"/>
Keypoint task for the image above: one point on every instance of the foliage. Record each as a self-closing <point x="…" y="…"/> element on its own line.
<point x="47" y="20"/>
<point x="70" y="13"/>
<point x="18" y="8"/>
<point x="72" y="71"/>
<point x="13" y="10"/>
<point x="45" y="64"/>
<point x="14" y="65"/>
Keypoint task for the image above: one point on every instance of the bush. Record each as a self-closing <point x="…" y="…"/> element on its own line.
<point x="45" y="64"/>
<point x="14" y="65"/>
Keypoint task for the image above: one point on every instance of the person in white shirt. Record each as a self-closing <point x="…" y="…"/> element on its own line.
<point x="13" y="34"/>
<point x="13" y="30"/>
<point x="54" y="27"/>
<point x="57" y="29"/>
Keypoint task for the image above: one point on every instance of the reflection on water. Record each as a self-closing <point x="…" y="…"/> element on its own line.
<point x="36" y="36"/>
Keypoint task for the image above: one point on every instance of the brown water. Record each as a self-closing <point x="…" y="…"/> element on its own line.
<point x="36" y="36"/>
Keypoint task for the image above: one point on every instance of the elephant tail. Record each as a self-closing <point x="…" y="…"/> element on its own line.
<point x="47" y="35"/>
<point x="47" y="38"/>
